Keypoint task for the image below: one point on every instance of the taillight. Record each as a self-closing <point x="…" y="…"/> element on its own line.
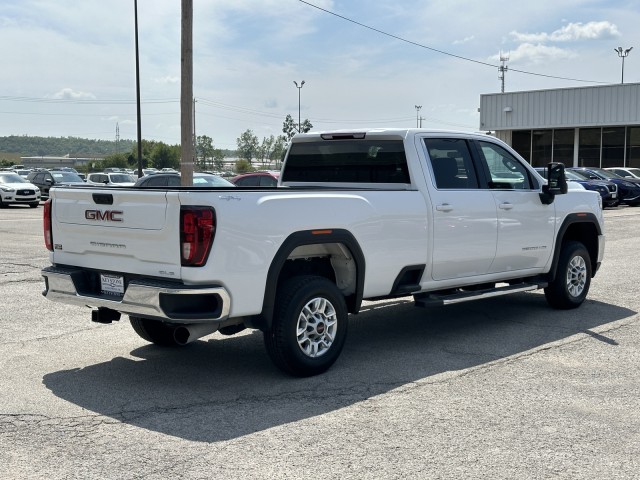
<point x="197" y="228"/>
<point x="46" y="217"/>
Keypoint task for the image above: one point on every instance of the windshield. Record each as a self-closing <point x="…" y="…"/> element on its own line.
<point x="211" y="181"/>
<point x="605" y="173"/>
<point x="66" y="177"/>
<point x="583" y="176"/>
<point x="11" y="178"/>
<point x="634" y="171"/>
<point x="121" y="178"/>
<point x="573" y="175"/>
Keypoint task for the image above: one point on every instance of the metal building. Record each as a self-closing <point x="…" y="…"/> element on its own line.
<point x="587" y="126"/>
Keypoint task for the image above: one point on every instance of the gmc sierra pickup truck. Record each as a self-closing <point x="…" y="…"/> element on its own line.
<point x="444" y="217"/>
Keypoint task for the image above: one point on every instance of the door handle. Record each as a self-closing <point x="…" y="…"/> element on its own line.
<point x="505" y="206"/>
<point x="445" y="207"/>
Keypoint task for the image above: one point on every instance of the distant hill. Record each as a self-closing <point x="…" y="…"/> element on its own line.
<point x="24" y="146"/>
<point x="14" y="147"/>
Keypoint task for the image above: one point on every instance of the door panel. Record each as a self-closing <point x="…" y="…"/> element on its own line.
<point x="464" y="215"/>
<point x="525" y="225"/>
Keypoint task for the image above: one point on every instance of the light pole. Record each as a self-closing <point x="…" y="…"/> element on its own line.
<point x="622" y="54"/>
<point x="418" y="107"/>
<point x="299" y="88"/>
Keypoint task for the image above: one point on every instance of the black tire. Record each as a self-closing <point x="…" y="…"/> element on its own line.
<point x="573" y="277"/>
<point x="154" y="331"/>
<point x="317" y="305"/>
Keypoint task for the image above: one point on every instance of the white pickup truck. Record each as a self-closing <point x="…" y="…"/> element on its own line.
<point x="443" y="216"/>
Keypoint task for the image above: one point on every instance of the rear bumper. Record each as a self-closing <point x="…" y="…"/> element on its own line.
<point x="148" y="298"/>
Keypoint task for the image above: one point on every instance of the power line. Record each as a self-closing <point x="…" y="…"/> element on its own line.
<point x="442" y="52"/>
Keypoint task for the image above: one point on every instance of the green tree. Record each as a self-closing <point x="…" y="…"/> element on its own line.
<point x="204" y="151"/>
<point x="243" y="166"/>
<point x="208" y="156"/>
<point x="290" y="128"/>
<point x="118" y="160"/>
<point x="218" y="160"/>
<point x="278" y="150"/>
<point x="264" y="152"/>
<point x="165" y="156"/>
<point x="248" y="145"/>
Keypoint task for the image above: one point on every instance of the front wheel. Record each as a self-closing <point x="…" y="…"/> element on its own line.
<point x="309" y="326"/>
<point x="154" y="331"/>
<point x="573" y="277"/>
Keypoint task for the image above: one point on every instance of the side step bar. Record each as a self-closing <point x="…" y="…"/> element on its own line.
<point x="458" y="296"/>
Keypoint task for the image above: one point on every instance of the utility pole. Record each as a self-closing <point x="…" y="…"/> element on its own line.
<point x="138" y="116"/>
<point x="418" y="107"/>
<point x="186" y="95"/>
<point x="117" y="138"/>
<point x="195" y="143"/>
<point x="502" y="69"/>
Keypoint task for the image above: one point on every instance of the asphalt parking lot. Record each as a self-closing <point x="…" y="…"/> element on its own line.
<point x="498" y="389"/>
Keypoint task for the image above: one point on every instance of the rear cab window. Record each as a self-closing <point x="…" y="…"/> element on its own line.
<point x="353" y="160"/>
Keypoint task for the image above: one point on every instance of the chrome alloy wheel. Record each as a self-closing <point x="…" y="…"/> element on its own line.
<point x="576" y="276"/>
<point x="317" y="327"/>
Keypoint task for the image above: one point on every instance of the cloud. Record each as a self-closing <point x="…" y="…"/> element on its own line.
<point x="464" y="40"/>
<point x="536" y="53"/>
<point x="167" y="80"/>
<point x="70" y="94"/>
<point x="572" y="32"/>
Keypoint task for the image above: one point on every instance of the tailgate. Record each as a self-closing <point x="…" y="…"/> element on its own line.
<point x="120" y="230"/>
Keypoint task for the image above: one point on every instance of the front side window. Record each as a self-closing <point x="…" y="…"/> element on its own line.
<point x="451" y="163"/>
<point x="505" y="171"/>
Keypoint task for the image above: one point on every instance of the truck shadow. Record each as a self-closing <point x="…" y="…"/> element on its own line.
<point x="223" y="388"/>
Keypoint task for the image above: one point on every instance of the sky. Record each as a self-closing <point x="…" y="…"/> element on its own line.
<point x="68" y="66"/>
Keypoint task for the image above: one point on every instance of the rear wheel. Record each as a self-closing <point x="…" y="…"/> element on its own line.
<point x="573" y="277"/>
<point x="154" y="331"/>
<point x="309" y="326"/>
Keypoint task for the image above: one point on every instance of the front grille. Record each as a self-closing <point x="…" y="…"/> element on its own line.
<point x="26" y="192"/>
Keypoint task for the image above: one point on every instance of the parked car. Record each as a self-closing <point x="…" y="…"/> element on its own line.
<point x="256" y="179"/>
<point x="16" y="190"/>
<point x="45" y="179"/>
<point x="628" y="188"/>
<point x="24" y="173"/>
<point x="625" y="172"/>
<point x="160" y="180"/>
<point x="607" y="190"/>
<point x="111" y="179"/>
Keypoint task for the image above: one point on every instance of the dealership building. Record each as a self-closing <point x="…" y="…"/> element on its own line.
<point x="586" y="126"/>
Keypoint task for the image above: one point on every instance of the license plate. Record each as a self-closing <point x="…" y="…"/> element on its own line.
<point x="614" y="195"/>
<point x="112" y="284"/>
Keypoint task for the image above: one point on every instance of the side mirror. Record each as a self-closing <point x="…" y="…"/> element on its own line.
<point x="556" y="183"/>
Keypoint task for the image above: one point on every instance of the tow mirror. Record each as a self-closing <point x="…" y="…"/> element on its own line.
<point x="556" y="183"/>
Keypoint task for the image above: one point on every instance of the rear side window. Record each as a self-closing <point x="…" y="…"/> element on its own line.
<point x="347" y="161"/>
<point x="451" y="163"/>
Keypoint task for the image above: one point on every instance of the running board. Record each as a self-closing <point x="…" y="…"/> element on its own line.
<point x="459" y="296"/>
